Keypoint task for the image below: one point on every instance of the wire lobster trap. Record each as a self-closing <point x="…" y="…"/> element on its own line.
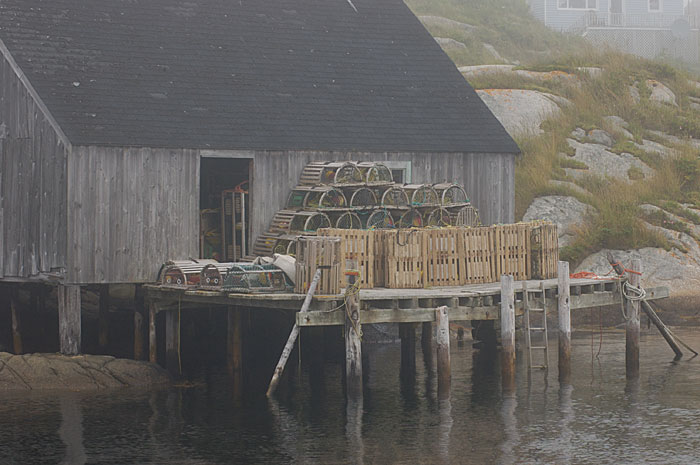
<point x="286" y="245"/>
<point x="183" y="272"/>
<point x="212" y="275"/>
<point x="309" y="222"/>
<point x="348" y="220"/>
<point x="466" y="216"/>
<point x="325" y="197"/>
<point x="437" y="217"/>
<point x="375" y="173"/>
<point x="422" y="195"/>
<point x="316" y="173"/>
<point x="410" y="219"/>
<point x="395" y="197"/>
<point x="380" y="219"/>
<point x="363" y="197"/>
<point x="451" y="194"/>
<point x="248" y="278"/>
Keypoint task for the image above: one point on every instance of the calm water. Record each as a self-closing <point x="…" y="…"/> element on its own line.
<point x="599" y="420"/>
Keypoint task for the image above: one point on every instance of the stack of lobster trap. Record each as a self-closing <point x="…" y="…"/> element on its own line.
<point x="361" y="195"/>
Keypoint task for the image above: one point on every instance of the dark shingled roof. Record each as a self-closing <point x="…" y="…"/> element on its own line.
<point x="247" y="74"/>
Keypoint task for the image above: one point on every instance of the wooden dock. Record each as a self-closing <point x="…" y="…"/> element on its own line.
<point x="470" y="302"/>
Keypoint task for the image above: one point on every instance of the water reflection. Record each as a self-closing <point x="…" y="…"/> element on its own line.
<point x="71" y="430"/>
<point x="650" y="420"/>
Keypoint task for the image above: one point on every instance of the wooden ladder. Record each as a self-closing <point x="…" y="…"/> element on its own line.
<point x="541" y="330"/>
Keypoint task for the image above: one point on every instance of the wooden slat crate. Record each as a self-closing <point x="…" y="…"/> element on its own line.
<point x="380" y="258"/>
<point x="315" y="252"/>
<point x="544" y="250"/>
<point x="357" y="246"/>
<point x="477" y="255"/>
<point x="510" y="250"/>
<point x="404" y="258"/>
<point x="441" y="251"/>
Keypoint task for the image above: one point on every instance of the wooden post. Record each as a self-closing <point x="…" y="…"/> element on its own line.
<point x="172" y="342"/>
<point x="426" y="338"/>
<point x="152" y="341"/>
<point x="632" y="326"/>
<point x="16" y="323"/>
<point x="234" y="342"/>
<point x="353" y="343"/>
<point x="279" y="369"/>
<point x="138" y="334"/>
<point x="103" y="318"/>
<point x="69" y="319"/>
<point x="564" y="291"/>
<point x="663" y="329"/>
<point x="444" y="369"/>
<point x="407" y="333"/>
<point x="507" y="332"/>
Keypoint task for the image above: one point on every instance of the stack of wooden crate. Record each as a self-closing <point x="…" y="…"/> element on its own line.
<point x="419" y="258"/>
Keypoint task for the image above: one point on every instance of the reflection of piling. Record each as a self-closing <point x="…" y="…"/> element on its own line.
<point x="234" y="348"/>
<point x="16" y="325"/>
<point x="353" y="343"/>
<point x="152" y="347"/>
<point x="507" y="332"/>
<point x="632" y="326"/>
<point x="564" y="291"/>
<point x="172" y="342"/>
<point x="444" y="369"/>
<point x="103" y="318"/>
<point x="69" y="319"/>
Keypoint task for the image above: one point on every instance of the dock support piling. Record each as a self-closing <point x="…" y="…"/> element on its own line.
<point x="632" y="329"/>
<point x="172" y="342"/>
<point x="152" y="341"/>
<point x="507" y="333"/>
<point x="17" y="345"/>
<point x="69" y="319"/>
<point x="426" y="338"/>
<point x="444" y="369"/>
<point x="103" y="318"/>
<point x="407" y="333"/>
<point x="138" y="334"/>
<point x="564" y="310"/>
<point x="353" y="343"/>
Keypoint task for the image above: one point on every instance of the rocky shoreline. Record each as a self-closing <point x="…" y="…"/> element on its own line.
<point x="76" y="373"/>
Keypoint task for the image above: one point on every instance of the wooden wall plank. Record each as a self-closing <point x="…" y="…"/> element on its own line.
<point x="32" y="182"/>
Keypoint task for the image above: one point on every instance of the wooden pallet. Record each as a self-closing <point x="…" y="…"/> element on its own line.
<point x="511" y="247"/>
<point x="544" y="250"/>
<point x="404" y="262"/>
<point x="477" y="255"/>
<point x="357" y="250"/>
<point x="441" y="251"/>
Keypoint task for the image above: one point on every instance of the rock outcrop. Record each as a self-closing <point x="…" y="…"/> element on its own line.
<point x="566" y="212"/>
<point x="660" y="93"/>
<point x="522" y="112"/>
<point x="604" y="163"/>
<point x="78" y="373"/>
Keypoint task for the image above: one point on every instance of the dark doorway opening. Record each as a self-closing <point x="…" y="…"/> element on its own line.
<point x="225" y="211"/>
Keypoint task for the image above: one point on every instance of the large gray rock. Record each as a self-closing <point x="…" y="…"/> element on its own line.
<point x="607" y="164"/>
<point x="494" y="53"/>
<point x="598" y="136"/>
<point x="566" y="212"/>
<point x="522" y="112"/>
<point x="655" y="147"/>
<point x="446" y="43"/>
<point x="619" y="125"/>
<point x="484" y="70"/>
<point x="660" y="93"/>
<point x="695" y="143"/>
<point x="82" y="372"/>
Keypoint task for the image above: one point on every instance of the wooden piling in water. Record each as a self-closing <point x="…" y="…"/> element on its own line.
<point x="564" y="313"/>
<point x="138" y="334"/>
<point x="444" y="369"/>
<point x="426" y="338"/>
<point x="17" y="345"/>
<point x="152" y="337"/>
<point x="353" y="342"/>
<point x="407" y="333"/>
<point x="632" y="329"/>
<point x="103" y="318"/>
<point x="69" y="319"/>
<point x="507" y="332"/>
<point x="172" y="342"/>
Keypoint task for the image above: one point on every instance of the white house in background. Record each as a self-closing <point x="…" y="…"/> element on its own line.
<point x="648" y="28"/>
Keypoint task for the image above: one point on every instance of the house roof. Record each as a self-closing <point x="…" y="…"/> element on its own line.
<point x="247" y="74"/>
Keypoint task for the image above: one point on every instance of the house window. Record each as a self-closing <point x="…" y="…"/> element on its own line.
<point x="400" y="170"/>
<point x="655" y="5"/>
<point x="579" y="4"/>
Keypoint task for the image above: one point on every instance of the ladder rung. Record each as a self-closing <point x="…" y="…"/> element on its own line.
<point x="539" y="366"/>
<point x="540" y="310"/>
<point x="532" y="328"/>
<point x="539" y="347"/>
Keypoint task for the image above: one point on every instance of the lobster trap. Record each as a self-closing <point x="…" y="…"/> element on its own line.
<point x="451" y="194"/>
<point x="363" y="197"/>
<point x="395" y="197"/>
<point x="247" y="278"/>
<point x="331" y="173"/>
<point x="422" y="195"/>
<point x="380" y="219"/>
<point x="348" y="220"/>
<point x="437" y="217"/>
<point x="466" y="216"/>
<point x="410" y="219"/>
<point x="309" y="222"/>
<point x="183" y="272"/>
<point x="375" y="173"/>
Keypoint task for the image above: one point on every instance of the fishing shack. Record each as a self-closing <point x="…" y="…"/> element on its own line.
<point x="130" y="129"/>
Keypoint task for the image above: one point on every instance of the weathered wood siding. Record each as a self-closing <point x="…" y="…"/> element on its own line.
<point x="489" y="179"/>
<point x="130" y="210"/>
<point x="32" y="182"/>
